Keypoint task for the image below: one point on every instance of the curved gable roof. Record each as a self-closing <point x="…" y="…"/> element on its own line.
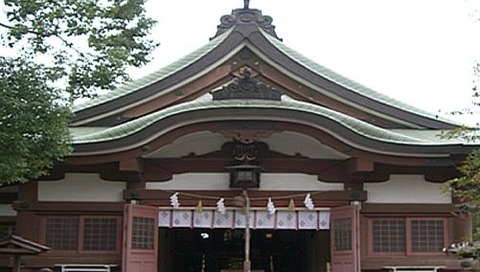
<point x="352" y="132"/>
<point x="350" y="85"/>
<point x="249" y="28"/>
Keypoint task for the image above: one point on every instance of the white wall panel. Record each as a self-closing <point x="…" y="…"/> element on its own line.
<point x="82" y="188"/>
<point x="7" y="210"/>
<point x="268" y="182"/>
<point x="406" y="189"/>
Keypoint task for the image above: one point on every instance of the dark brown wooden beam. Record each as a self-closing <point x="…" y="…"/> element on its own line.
<point x="407" y="209"/>
<point x="78" y="207"/>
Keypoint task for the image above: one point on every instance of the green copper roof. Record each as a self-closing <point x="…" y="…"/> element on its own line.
<point x="346" y="82"/>
<point x="153" y="77"/>
<point x="355" y="125"/>
<point x="294" y="55"/>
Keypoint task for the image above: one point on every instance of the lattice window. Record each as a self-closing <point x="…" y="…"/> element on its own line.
<point x="342" y="234"/>
<point x="61" y="233"/>
<point x="388" y="235"/>
<point x="407" y="236"/>
<point x="100" y="234"/>
<point x="78" y="233"/>
<point x="427" y="235"/>
<point x="143" y="233"/>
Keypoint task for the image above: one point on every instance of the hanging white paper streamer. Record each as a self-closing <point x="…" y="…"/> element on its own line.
<point x="308" y="202"/>
<point x="221" y="205"/>
<point x="174" y="200"/>
<point x="271" y="207"/>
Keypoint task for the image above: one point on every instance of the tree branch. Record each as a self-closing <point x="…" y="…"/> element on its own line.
<point x="48" y="35"/>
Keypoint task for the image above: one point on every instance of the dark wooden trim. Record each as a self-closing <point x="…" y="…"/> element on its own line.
<point x="395" y="210"/>
<point x="72" y="208"/>
<point x="27" y="192"/>
<point x="10" y="220"/>
<point x="8" y="198"/>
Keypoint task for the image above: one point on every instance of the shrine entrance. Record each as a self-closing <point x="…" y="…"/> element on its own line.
<point x="206" y="241"/>
<point x="215" y="250"/>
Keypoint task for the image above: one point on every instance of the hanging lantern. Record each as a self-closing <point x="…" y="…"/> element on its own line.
<point x="244" y="176"/>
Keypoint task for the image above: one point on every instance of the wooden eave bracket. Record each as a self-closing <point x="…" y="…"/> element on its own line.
<point x="356" y="165"/>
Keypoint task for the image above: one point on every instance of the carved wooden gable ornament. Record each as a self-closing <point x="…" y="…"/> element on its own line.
<point x="247" y="87"/>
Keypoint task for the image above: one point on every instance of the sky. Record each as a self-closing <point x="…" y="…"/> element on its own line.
<point x="418" y="51"/>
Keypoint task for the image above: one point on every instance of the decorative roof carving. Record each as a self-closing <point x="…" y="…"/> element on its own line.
<point x="247" y="87"/>
<point x="247" y="135"/>
<point x="246" y="16"/>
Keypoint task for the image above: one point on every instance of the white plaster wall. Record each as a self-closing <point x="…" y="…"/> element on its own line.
<point x="406" y="189"/>
<point x="300" y="182"/>
<point x="82" y="188"/>
<point x="220" y="181"/>
<point x="7" y="210"/>
<point x="193" y="181"/>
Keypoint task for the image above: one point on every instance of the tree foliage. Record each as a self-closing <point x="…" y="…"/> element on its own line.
<point x="467" y="187"/>
<point x="89" y="43"/>
<point x="66" y="49"/>
<point x="33" y="122"/>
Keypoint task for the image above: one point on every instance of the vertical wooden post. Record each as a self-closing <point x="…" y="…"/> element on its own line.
<point x="16" y="263"/>
<point x="247" y="263"/>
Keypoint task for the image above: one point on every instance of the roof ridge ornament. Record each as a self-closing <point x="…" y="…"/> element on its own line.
<point x="247" y="87"/>
<point x="246" y="17"/>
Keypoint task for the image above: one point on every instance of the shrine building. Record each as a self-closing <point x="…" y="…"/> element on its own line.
<point x="245" y="149"/>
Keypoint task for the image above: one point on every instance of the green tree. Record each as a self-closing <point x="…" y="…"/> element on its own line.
<point x="33" y="122"/>
<point x="90" y="43"/>
<point x="467" y="187"/>
<point x="65" y="50"/>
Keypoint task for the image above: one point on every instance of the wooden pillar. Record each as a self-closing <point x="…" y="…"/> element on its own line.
<point x="16" y="263"/>
<point x="463" y="228"/>
<point x="133" y="171"/>
<point x="27" y="222"/>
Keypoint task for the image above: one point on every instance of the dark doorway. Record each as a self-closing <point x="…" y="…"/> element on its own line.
<point x="212" y="250"/>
